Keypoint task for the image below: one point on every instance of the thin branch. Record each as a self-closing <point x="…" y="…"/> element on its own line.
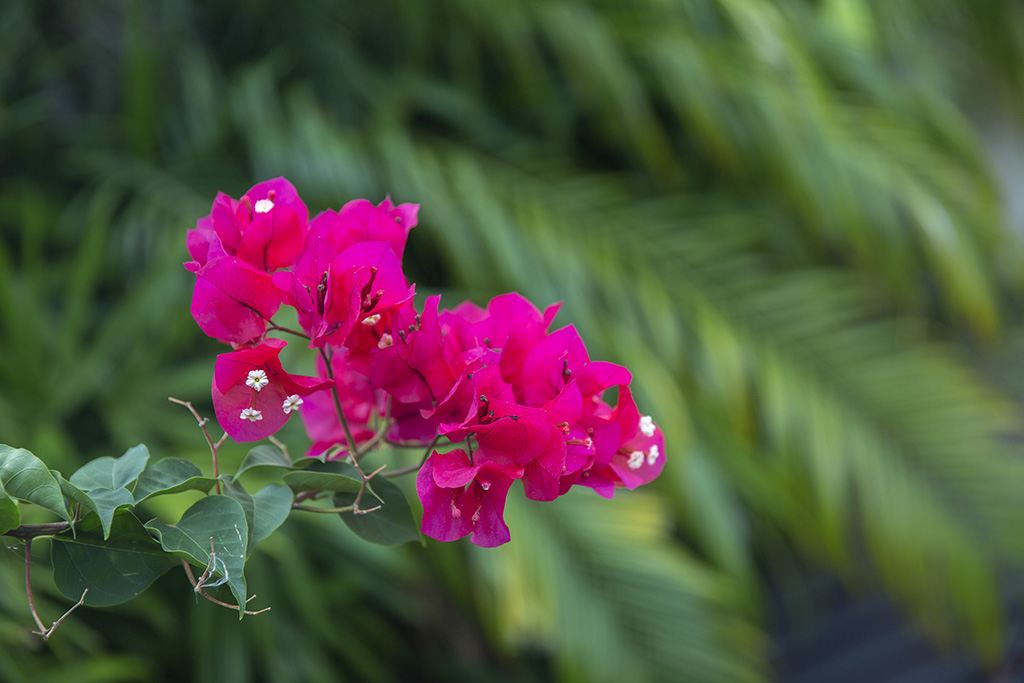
<point x="275" y="326"/>
<point x="43" y="631"/>
<point x="413" y="468"/>
<point x="353" y="448"/>
<point x="26" y="532"/>
<point x="28" y="587"/>
<point x="49" y="632"/>
<point x="202" y="425"/>
<point x="198" y="588"/>
<point x="280" y="444"/>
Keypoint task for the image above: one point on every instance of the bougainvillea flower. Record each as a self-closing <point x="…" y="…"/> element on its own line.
<point x="358" y="403"/>
<point x="550" y="364"/>
<point x="460" y="497"/>
<point x="364" y="280"/>
<point x="516" y="326"/>
<point x="361" y="221"/>
<point x="527" y="437"/>
<point x="410" y="365"/>
<point x="232" y="301"/>
<point x="266" y="228"/>
<point x="630" y="447"/>
<point x="253" y="396"/>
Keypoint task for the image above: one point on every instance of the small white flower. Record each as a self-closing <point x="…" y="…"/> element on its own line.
<point x="652" y="455"/>
<point x="264" y="206"/>
<point x="251" y="414"/>
<point x="636" y="459"/>
<point x="647" y="425"/>
<point x="291" y="403"/>
<point x="485" y="485"/>
<point x="385" y="341"/>
<point x="257" y="379"/>
<point x="371" y="320"/>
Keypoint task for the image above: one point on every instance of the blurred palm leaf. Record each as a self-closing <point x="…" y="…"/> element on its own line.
<point x="777" y="214"/>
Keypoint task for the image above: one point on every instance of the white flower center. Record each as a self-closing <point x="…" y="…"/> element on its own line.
<point x="257" y="379"/>
<point x="485" y="485"/>
<point x="647" y="425"/>
<point x="371" y="320"/>
<point x="652" y="455"/>
<point x="264" y="206"/>
<point x="636" y="459"/>
<point x="291" y="403"/>
<point x="251" y="414"/>
<point x="385" y="341"/>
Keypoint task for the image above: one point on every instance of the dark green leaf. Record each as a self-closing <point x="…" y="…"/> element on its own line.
<point x="171" y="475"/>
<point x="325" y="476"/>
<point x="112" y="473"/>
<point x="25" y="477"/>
<point x="264" y="456"/>
<point x="273" y="505"/>
<point x="219" y="520"/>
<point x="10" y="517"/>
<point x="101" y="501"/>
<point x="392" y="524"/>
<point x="114" y="568"/>
<point x="238" y="493"/>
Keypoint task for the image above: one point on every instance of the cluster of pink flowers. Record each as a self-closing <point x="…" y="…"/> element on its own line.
<point x="522" y="403"/>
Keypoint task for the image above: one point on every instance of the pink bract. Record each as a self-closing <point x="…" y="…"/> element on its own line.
<point x="232" y="395"/>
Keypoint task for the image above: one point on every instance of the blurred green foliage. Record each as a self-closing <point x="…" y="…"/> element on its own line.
<point x="780" y="215"/>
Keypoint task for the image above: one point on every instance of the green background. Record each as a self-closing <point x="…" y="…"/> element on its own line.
<point x="797" y="222"/>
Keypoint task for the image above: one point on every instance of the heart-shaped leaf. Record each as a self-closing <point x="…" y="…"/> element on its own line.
<point x="238" y="493"/>
<point x="112" y="473"/>
<point x="264" y="456"/>
<point x="325" y="476"/>
<point x="273" y="505"/>
<point x="392" y="524"/>
<point x="171" y="475"/>
<point x="104" y="502"/>
<point x="219" y="520"/>
<point x="114" y="568"/>
<point x="23" y="476"/>
<point x="10" y="517"/>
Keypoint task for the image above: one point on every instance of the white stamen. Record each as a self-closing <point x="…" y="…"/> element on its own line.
<point x="257" y="379"/>
<point x="647" y="425"/>
<point x="636" y="459"/>
<point x="251" y="414"/>
<point x="385" y="341"/>
<point x="652" y="455"/>
<point x="371" y="320"/>
<point x="264" y="206"/>
<point x="291" y="403"/>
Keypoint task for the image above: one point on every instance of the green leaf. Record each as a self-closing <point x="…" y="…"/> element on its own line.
<point x="273" y="505"/>
<point x="171" y="475"/>
<point x="104" y="502"/>
<point x="112" y="473"/>
<point x="238" y="493"/>
<point x="114" y="568"/>
<point x="221" y="519"/>
<point x="264" y="456"/>
<point x="25" y="477"/>
<point x="392" y="524"/>
<point x="325" y="476"/>
<point x="10" y="517"/>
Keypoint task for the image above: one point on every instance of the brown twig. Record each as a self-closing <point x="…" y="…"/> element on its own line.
<point x="202" y="425"/>
<point x="43" y="631"/>
<point x="197" y="586"/>
<point x="414" y="468"/>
